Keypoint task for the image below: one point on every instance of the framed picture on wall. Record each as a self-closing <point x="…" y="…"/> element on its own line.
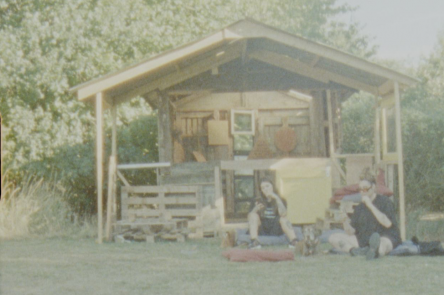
<point x="242" y="122"/>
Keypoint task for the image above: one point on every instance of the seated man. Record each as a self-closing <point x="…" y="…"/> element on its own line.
<point x="268" y="217"/>
<point x="372" y="229"/>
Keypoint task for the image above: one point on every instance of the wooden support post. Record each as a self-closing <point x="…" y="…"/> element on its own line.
<point x="110" y="199"/>
<point x="114" y="154"/>
<point x="384" y="132"/>
<point x="164" y="133"/>
<point x="400" y="161"/>
<point x="217" y="190"/>
<point x="331" y="135"/>
<point x="330" y="125"/>
<point x="219" y="200"/>
<point x="313" y="133"/>
<point x="99" y="160"/>
<point x="377" y="133"/>
<point x="114" y="131"/>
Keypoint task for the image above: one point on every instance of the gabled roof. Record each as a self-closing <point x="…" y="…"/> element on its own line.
<point x="245" y="40"/>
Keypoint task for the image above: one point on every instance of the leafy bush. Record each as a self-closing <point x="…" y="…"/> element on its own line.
<point x="423" y="139"/>
<point x="74" y="165"/>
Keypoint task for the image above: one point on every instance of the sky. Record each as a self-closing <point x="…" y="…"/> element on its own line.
<point x="402" y="29"/>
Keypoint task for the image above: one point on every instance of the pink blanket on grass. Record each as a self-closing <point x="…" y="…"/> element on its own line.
<point x="245" y="255"/>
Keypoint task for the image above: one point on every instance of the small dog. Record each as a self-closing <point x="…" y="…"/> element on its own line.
<point x="311" y="241"/>
<point x="228" y="239"/>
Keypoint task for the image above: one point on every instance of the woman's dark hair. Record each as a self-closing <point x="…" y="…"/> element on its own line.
<point x="368" y="175"/>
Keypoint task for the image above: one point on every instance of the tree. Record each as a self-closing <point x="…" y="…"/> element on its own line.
<point x="423" y="131"/>
<point x="49" y="46"/>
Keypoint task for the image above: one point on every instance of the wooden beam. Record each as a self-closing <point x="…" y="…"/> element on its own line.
<point x="288" y="64"/>
<point x="113" y="183"/>
<point x="110" y="198"/>
<point x="314" y="61"/>
<point x="193" y="96"/>
<point x="330" y="126"/>
<point x="353" y="155"/>
<point x="99" y="165"/>
<point x="390" y="158"/>
<point x="313" y="129"/>
<point x="165" y="139"/>
<point x="386" y="88"/>
<point x="143" y="166"/>
<point x="229" y="53"/>
<point x="400" y="161"/>
<point x="387" y="101"/>
<point x="86" y="90"/>
<point x="331" y="139"/>
<point x="122" y="178"/>
<point x="304" y="69"/>
<point x="114" y="131"/>
<point x="384" y="132"/>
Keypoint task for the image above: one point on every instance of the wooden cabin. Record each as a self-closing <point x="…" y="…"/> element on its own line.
<point x="247" y="101"/>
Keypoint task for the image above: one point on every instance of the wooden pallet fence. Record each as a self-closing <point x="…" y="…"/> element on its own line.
<point x="164" y="202"/>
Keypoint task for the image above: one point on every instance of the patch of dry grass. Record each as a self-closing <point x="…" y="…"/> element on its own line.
<point x="38" y="208"/>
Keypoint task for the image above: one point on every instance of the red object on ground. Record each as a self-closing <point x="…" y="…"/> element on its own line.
<point x="245" y="255"/>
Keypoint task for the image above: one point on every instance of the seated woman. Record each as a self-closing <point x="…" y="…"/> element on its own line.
<point x="268" y="217"/>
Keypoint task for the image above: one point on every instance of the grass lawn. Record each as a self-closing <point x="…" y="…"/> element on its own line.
<point x="65" y="266"/>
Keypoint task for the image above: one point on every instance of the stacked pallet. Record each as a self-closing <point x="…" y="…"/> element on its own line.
<point x="168" y="212"/>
